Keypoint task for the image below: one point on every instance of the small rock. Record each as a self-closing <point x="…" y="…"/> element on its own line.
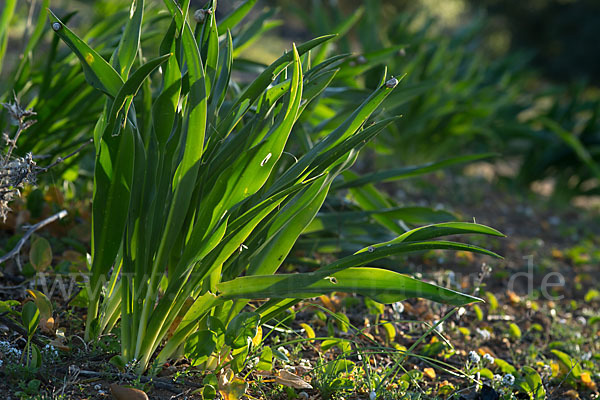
<point x="126" y="393"/>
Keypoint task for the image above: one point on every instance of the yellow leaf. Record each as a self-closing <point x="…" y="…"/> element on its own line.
<point x="429" y="372"/>
<point x="555" y="368"/>
<point x="390" y="331"/>
<point x="310" y="333"/>
<point x="513" y="297"/>
<point x="231" y="388"/>
<point x="258" y="337"/>
<point x="587" y="381"/>
<point x="572" y="394"/>
<point x="556" y="253"/>
<point x="445" y="388"/>
<point x="465" y="255"/>
<point x="327" y="303"/>
<point x="47" y="323"/>
<point x="399" y="347"/>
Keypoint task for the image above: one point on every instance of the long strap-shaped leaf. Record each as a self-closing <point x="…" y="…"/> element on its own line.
<point x="112" y="190"/>
<point x="250" y="172"/>
<point x="7" y="14"/>
<point x="180" y="287"/>
<point x="112" y="185"/>
<point x="382" y="285"/>
<point x="98" y="72"/>
<point x="130" y="40"/>
<point x="344" y="131"/>
<point x="129" y="90"/>
<point x="231" y="20"/>
<point x="187" y="171"/>
<point x="438" y="230"/>
<point x="256" y="88"/>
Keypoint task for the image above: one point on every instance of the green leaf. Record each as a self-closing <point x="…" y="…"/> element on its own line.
<point x="32" y="41"/>
<point x="573" y="141"/>
<point x="376" y="252"/>
<point x="336" y="367"/>
<point x="209" y="45"/>
<point x="187" y="170"/>
<point x="256" y="88"/>
<point x="284" y="232"/>
<point x="505" y="367"/>
<point x="571" y="366"/>
<point x="338" y="135"/>
<point x="341" y="29"/>
<point x="40" y="254"/>
<point x="119" y="362"/>
<point x="217" y="94"/>
<point x="112" y="180"/>
<point x="128" y="91"/>
<point x="437" y="230"/>
<point x="369" y="198"/>
<point x="42" y="302"/>
<point x="242" y="328"/>
<point x="534" y="381"/>
<point x="265" y="362"/>
<point x="514" y="331"/>
<point x="254" y="30"/>
<point x="331" y="157"/>
<point x="239" y="357"/>
<point x="252" y="169"/>
<point x="36" y="358"/>
<point x="127" y="50"/>
<point x="7" y="307"/>
<point x="209" y="392"/>
<point x="165" y="105"/>
<point x="231" y="20"/>
<point x="199" y="346"/>
<point x="98" y="72"/>
<point x="382" y="285"/>
<point x="187" y="325"/>
<point x="374" y="307"/>
<point x="30" y="315"/>
<point x="5" y="18"/>
<point x="280" y="355"/>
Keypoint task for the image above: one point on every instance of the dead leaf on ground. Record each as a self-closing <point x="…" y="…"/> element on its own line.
<point x="586" y="379"/>
<point x="572" y="394"/>
<point x="292" y="380"/>
<point x="483" y="350"/>
<point x="513" y="297"/>
<point x="429" y="372"/>
<point x="230" y="387"/>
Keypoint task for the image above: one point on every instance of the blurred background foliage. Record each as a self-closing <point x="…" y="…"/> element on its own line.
<point x="513" y="78"/>
<point x="493" y="75"/>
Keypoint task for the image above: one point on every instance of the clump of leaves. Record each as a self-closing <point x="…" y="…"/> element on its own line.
<point x="196" y="206"/>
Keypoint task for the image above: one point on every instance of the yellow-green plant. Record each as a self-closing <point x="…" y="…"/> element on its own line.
<point x="194" y="213"/>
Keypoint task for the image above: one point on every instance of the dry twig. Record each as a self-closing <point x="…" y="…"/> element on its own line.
<point x="30" y="230"/>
